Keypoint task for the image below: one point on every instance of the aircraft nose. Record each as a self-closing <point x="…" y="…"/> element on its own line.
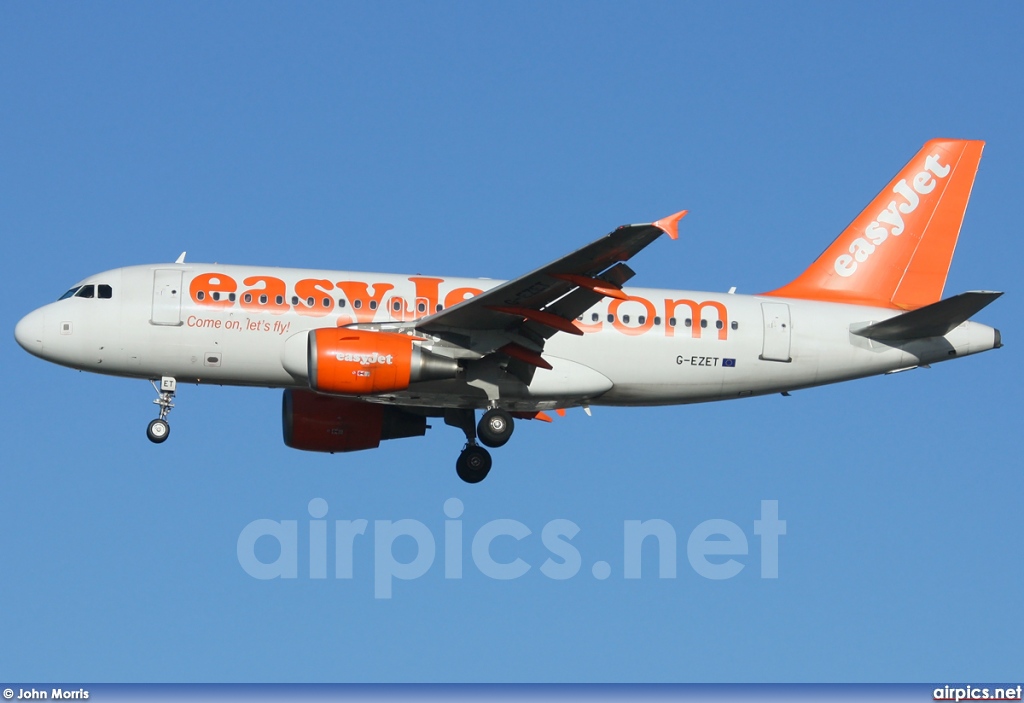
<point x="29" y="332"/>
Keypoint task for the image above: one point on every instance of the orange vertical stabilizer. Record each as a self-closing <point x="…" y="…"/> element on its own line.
<point x="897" y="252"/>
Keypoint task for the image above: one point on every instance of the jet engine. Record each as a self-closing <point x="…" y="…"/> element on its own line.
<point x="359" y="362"/>
<point x="325" y="423"/>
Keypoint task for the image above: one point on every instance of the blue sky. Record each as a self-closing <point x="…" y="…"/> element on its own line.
<point x="485" y="139"/>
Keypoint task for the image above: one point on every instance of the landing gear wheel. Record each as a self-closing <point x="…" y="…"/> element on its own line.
<point x="495" y="428"/>
<point x="158" y="431"/>
<point x="473" y="465"/>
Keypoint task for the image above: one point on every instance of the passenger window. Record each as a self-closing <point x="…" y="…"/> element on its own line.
<point x="611" y="318"/>
<point x="671" y="322"/>
<point x="231" y="297"/>
<point x="105" y="291"/>
<point x="295" y="300"/>
<point x="247" y="297"/>
<point x="341" y="302"/>
<point x="279" y="300"/>
<point x="642" y="319"/>
<point x="326" y="302"/>
<point x="373" y="304"/>
<point x="703" y="324"/>
<point x="397" y="305"/>
<point x="357" y="304"/>
<point x="263" y="299"/>
<point x="735" y="325"/>
<point x="201" y="295"/>
<point x="215" y="295"/>
<point x="86" y="292"/>
<point x="439" y="307"/>
<point x="625" y="319"/>
<point x="688" y="322"/>
<point x="718" y="324"/>
<point x="657" y="320"/>
<point x="310" y="301"/>
<point x="595" y="317"/>
<point x="421" y="307"/>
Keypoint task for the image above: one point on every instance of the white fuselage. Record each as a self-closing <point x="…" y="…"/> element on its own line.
<point x="659" y="347"/>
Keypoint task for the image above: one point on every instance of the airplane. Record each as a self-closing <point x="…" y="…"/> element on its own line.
<point x="369" y="357"/>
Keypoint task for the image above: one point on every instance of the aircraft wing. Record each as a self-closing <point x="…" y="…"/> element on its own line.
<point x="547" y="300"/>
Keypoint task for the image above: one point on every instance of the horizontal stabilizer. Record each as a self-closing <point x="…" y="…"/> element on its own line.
<point x="935" y="320"/>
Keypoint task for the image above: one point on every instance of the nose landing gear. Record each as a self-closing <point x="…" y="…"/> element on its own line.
<point x="159" y="429"/>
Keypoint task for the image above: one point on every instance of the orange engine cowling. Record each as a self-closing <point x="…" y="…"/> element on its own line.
<point x="324" y="423"/>
<point x="357" y="362"/>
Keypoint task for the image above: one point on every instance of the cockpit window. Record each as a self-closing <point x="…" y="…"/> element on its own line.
<point x="101" y="290"/>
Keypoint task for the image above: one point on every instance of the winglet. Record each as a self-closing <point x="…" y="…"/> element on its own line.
<point x="180" y="259"/>
<point x="670" y="225"/>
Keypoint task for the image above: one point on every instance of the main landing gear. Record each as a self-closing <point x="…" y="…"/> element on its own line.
<point x="495" y="429"/>
<point x="473" y="464"/>
<point x="159" y="429"/>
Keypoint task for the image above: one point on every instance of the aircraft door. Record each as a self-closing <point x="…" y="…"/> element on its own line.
<point x="776" y="332"/>
<point x="166" y="297"/>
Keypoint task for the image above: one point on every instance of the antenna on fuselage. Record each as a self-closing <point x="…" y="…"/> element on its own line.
<point x="180" y="259"/>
